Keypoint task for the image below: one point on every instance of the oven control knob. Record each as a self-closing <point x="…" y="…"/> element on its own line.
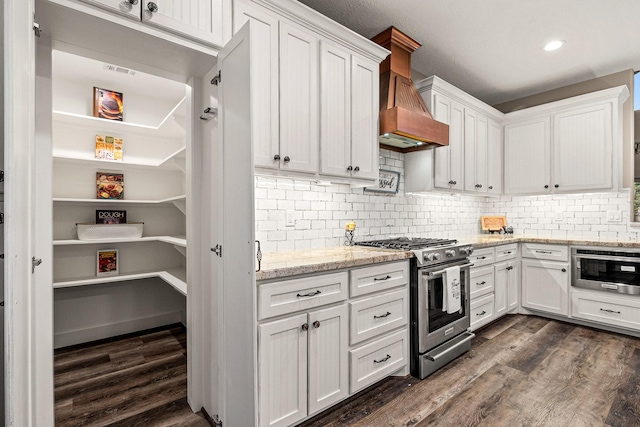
<point x="450" y="252"/>
<point x="429" y="257"/>
<point x="436" y="256"/>
<point x="467" y="251"/>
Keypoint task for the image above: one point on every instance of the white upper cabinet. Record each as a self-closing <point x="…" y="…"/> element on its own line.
<point x="472" y="162"/>
<point x="583" y="149"/>
<point x="298" y="99"/>
<point x="566" y="146"/>
<point x="196" y="19"/>
<point x="527" y="154"/>
<point x="349" y="117"/>
<point x="316" y="104"/>
<point x="204" y="21"/>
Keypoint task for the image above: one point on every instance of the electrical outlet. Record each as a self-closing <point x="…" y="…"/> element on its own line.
<point x="558" y="217"/>
<point x="614" y="216"/>
<point x="290" y="221"/>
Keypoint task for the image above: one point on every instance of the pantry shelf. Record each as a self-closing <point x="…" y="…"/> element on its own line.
<point x="120" y="201"/>
<point x="179" y="241"/>
<point x="171" y="162"/>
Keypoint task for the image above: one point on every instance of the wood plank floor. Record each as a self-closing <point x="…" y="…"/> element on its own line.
<point x="520" y="371"/>
<point x="136" y="380"/>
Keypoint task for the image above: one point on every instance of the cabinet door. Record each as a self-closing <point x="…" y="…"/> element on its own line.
<point x="527" y="150"/>
<point x="494" y="158"/>
<point x="122" y="7"/>
<point x="197" y="19"/>
<point x="480" y="154"/>
<point x="335" y="110"/>
<point x="501" y="284"/>
<point x="470" y="135"/>
<point x="449" y="159"/>
<point x="545" y="286"/>
<point x="282" y="371"/>
<point x="264" y="83"/>
<point x="365" y="86"/>
<point x="328" y="350"/>
<point x="298" y="99"/>
<point x="583" y="149"/>
<point x="513" y="285"/>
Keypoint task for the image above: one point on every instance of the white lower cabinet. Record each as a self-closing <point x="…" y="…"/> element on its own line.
<point x="482" y="311"/>
<point x="317" y="344"/>
<point x="303" y="365"/>
<point x="506" y="286"/>
<point x="610" y="309"/>
<point x="545" y="286"/>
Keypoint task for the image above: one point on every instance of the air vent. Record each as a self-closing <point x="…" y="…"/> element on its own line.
<point x="117" y="69"/>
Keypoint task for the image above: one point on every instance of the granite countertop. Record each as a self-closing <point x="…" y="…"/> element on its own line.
<point x="284" y="264"/>
<point x="292" y="263"/>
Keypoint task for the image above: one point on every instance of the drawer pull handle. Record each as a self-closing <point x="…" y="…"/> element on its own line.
<point x="609" y="311"/>
<point x="316" y="324"/>
<point x="384" y="359"/>
<point x="387" y="277"/>
<point x="481" y="257"/>
<point x="481" y="283"/>
<point x="387" y="314"/>
<point x="510" y="267"/>
<point x="544" y="252"/>
<point x="507" y="252"/>
<point x="305" y="326"/>
<point x="312" y="294"/>
<point x="482" y="313"/>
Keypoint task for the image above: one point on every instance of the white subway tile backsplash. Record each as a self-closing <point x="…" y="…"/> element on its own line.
<point x="321" y="212"/>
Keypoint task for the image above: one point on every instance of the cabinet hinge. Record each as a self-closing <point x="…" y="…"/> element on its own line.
<point x="217" y="250"/>
<point x="217" y="79"/>
<point x="216" y="420"/>
<point x="36" y="29"/>
<point x="34" y="263"/>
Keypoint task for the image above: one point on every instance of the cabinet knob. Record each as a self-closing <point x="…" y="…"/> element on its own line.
<point x="478" y="185"/>
<point x="349" y="168"/>
<point x="452" y="182"/>
<point x="287" y="159"/>
<point x="546" y="186"/>
<point x="491" y="187"/>
<point x="564" y="270"/>
<point x="305" y="327"/>
<point x="153" y="8"/>
<point x="316" y="324"/>
<point x="133" y="2"/>
<point x="356" y="169"/>
<point x="276" y="157"/>
<point x="556" y="186"/>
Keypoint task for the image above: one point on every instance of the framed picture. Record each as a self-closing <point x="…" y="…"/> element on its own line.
<point x="107" y="264"/>
<point x="109" y="185"/>
<point x="388" y="182"/>
<point x="108" y="148"/>
<point x="107" y="104"/>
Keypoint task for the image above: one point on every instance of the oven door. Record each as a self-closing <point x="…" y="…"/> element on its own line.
<point x="435" y="326"/>
<point x="607" y="271"/>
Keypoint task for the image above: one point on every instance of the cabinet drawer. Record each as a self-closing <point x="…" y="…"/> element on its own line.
<point x="376" y="315"/>
<point x="288" y="296"/>
<point x="482" y="281"/>
<point x="375" y="361"/>
<point x="481" y="312"/>
<point x="548" y="252"/>
<point x="376" y="278"/>
<point x="506" y="252"/>
<point x="616" y="311"/>
<point x="482" y="257"/>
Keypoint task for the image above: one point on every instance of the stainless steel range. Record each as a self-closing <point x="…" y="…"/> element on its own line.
<point x="437" y="336"/>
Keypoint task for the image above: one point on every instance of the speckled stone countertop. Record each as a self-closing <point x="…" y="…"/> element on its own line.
<point x="488" y="240"/>
<point x="284" y="264"/>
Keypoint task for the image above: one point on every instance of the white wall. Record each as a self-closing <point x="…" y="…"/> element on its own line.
<point x="321" y="213"/>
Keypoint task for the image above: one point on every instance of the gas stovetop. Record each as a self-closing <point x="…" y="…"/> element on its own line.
<point x="405" y="243"/>
<point x="428" y="252"/>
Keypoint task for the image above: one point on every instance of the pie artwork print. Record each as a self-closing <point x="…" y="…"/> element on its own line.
<point x="107" y="104"/>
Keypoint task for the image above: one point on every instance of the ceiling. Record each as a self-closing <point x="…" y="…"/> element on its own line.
<point x="492" y="49"/>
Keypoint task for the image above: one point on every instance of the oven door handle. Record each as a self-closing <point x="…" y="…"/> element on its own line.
<point x="467" y="337"/>
<point x="435" y="273"/>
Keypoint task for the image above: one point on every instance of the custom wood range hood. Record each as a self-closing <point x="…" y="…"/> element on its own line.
<point x="405" y="122"/>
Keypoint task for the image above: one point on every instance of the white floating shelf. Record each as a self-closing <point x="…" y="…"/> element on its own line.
<point x="86" y="160"/>
<point x="119" y="201"/>
<point x="174" y="277"/>
<point x="180" y="241"/>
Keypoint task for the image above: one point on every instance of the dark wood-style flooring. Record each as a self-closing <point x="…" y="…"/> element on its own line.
<point x="521" y="371"/>
<point x="136" y="380"/>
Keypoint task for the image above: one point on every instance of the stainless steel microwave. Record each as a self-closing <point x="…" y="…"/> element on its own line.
<point x="606" y="269"/>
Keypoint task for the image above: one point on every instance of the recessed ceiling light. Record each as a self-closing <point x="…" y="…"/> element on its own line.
<point x="553" y="45"/>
